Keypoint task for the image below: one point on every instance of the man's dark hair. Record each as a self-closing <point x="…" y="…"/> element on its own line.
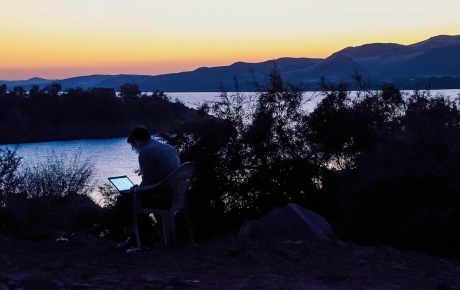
<point x="139" y="133"/>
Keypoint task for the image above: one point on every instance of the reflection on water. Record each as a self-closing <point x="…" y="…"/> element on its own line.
<point x="111" y="157"/>
<point x="193" y="100"/>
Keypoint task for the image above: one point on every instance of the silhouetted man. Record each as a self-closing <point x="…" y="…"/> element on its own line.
<point x="156" y="161"/>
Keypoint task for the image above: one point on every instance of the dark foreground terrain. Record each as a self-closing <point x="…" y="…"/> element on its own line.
<point x="90" y="263"/>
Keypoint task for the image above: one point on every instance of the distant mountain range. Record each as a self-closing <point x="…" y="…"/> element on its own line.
<point x="433" y="63"/>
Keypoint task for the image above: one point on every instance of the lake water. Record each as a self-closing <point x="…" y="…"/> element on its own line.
<point x="192" y="100"/>
<point x="113" y="157"/>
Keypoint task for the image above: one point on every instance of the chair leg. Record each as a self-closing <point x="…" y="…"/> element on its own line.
<point x="161" y="230"/>
<point x="171" y="231"/>
<point x="188" y="224"/>
<point x="136" y="229"/>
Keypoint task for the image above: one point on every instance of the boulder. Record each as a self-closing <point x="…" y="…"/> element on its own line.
<point x="291" y="222"/>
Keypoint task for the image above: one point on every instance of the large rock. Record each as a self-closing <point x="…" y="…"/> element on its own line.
<point x="291" y="222"/>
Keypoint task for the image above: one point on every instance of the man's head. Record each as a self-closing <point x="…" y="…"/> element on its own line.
<point x="138" y="137"/>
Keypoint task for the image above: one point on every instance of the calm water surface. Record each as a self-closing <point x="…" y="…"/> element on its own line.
<point x="193" y="100"/>
<point x="111" y="157"/>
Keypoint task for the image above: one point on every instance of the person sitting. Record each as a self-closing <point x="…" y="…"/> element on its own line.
<point x="156" y="161"/>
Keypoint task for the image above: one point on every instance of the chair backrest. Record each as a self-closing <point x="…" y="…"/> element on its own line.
<point x="180" y="181"/>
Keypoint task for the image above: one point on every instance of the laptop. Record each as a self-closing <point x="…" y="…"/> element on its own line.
<point x="122" y="183"/>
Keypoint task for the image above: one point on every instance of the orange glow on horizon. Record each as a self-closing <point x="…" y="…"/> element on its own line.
<point x="58" y="39"/>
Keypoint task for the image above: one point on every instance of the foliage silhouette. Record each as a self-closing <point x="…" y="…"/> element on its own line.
<point x="381" y="166"/>
<point x="58" y="176"/>
<point x="48" y="114"/>
<point x="250" y="155"/>
<point x="404" y="190"/>
<point x="48" y="199"/>
<point x="10" y="179"/>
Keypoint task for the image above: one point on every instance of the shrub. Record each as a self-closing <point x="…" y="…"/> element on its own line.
<point x="109" y="195"/>
<point x="58" y="176"/>
<point x="9" y="178"/>
<point x="251" y="155"/>
<point x="382" y="167"/>
<point x="53" y="200"/>
<point x="48" y="217"/>
<point x="403" y="189"/>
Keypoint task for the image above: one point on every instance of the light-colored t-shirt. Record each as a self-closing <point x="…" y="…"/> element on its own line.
<point x="156" y="161"/>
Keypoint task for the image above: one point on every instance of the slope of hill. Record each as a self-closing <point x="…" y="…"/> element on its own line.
<point x="436" y="57"/>
<point x="434" y="62"/>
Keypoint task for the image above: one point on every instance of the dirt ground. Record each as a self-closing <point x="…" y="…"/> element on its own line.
<point x="226" y="263"/>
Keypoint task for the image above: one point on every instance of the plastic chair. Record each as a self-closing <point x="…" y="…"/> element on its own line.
<point x="179" y="182"/>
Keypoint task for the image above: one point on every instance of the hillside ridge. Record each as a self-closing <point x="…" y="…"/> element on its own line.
<point x="432" y="63"/>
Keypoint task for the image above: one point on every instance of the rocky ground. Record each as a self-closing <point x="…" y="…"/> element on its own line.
<point x="226" y="263"/>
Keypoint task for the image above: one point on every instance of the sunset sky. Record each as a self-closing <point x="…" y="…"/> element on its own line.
<point x="57" y="39"/>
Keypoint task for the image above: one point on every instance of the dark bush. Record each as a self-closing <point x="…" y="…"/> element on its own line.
<point x="404" y="191"/>
<point x="58" y="176"/>
<point x="10" y="181"/>
<point x="49" y="217"/>
<point x="48" y="200"/>
<point x="381" y="166"/>
<point x="48" y="114"/>
<point x="252" y="155"/>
